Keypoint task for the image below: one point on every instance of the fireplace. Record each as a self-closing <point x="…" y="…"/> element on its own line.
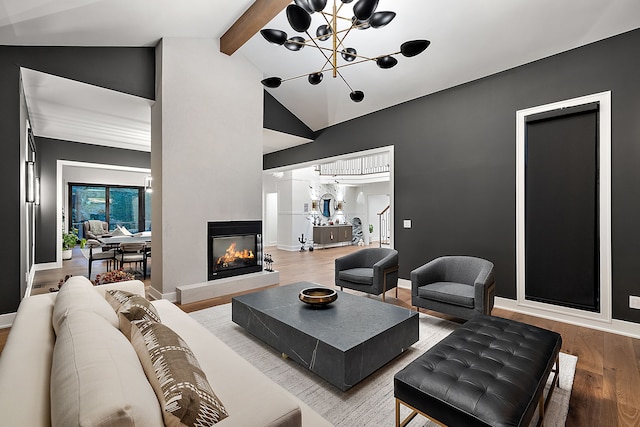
<point x="234" y="248"/>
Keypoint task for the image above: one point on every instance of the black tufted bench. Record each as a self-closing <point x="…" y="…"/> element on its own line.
<point x="488" y="372"/>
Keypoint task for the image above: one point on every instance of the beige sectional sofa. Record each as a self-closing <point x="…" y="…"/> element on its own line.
<point x="42" y="384"/>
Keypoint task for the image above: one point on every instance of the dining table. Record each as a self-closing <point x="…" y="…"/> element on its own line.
<point x="134" y="238"/>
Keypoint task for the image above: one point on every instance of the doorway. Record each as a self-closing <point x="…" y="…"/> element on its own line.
<point x="563" y="195"/>
<point x="298" y="189"/>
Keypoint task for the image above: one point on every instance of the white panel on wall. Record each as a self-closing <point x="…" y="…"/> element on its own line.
<point x="210" y="144"/>
<point x="270" y="224"/>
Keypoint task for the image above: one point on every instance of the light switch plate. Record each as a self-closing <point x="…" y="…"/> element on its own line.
<point x="634" y="302"/>
<point x="407" y="223"/>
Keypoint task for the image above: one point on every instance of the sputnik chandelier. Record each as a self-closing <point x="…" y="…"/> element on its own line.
<point x="365" y="17"/>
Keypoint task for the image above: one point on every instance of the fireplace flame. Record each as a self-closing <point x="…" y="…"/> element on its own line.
<point x="231" y="256"/>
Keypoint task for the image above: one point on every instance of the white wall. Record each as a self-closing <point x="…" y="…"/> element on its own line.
<point x="206" y="154"/>
<point x="81" y="175"/>
<point x="270" y="219"/>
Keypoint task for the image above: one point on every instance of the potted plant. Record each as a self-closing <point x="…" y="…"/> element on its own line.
<point x="69" y="240"/>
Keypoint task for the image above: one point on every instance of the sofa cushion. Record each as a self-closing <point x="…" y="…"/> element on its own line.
<point x="96" y="378"/>
<point x="130" y="307"/>
<point x="236" y="381"/>
<point x="185" y="396"/>
<point x="449" y="292"/>
<point x="78" y="293"/>
<point x="363" y="276"/>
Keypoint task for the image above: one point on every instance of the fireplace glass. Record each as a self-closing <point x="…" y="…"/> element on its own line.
<point x="235" y="248"/>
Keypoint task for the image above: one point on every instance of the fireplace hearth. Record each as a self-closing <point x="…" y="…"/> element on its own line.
<point x="234" y="248"/>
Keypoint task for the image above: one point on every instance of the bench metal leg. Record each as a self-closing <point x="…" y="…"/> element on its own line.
<point x="544" y="402"/>
<point x="412" y="415"/>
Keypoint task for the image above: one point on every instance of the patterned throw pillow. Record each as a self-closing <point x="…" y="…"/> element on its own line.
<point x="130" y="307"/>
<point x="185" y="396"/>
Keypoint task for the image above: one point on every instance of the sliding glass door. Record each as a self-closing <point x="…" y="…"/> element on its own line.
<point x="86" y="202"/>
<point x="124" y="208"/>
<point x="128" y="207"/>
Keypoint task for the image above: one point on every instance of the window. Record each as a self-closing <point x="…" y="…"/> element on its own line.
<point x="117" y="205"/>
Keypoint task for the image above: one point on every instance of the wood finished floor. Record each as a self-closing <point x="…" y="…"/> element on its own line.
<point x="606" y="389"/>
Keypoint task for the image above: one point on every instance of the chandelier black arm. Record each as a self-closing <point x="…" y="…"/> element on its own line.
<point x="327" y="69"/>
<point x="315" y="44"/>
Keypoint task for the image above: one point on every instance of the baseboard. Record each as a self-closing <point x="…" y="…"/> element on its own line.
<point x="156" y="295"/>
<point x="288" y="248"/>
<point x="404" y="283"/>
<point x="48" y="266"/>
<point x="6" y="320"/>
<point x="619" y="327"/>
<point x="229" y="285"/>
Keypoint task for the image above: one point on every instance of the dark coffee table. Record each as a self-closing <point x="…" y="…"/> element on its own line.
<point x="343" y="342"/>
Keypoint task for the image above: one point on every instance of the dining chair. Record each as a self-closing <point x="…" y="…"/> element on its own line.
<point x="133" y="253"/>
<point x="95" y="254"/>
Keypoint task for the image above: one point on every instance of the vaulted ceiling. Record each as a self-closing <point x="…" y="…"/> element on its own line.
<point x="469" y="40"/>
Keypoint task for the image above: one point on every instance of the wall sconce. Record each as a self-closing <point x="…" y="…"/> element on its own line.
<point x="31" y="186"/>
<point x="339" y="206"/>
<point x="147" y="184"/>
<point x="37" y="191"/>
<point x="314" y="205"/>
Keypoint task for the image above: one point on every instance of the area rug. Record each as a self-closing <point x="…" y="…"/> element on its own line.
<point x="371" y="402"/>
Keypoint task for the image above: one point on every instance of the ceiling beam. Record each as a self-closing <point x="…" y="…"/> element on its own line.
<point x="252" y="21"/>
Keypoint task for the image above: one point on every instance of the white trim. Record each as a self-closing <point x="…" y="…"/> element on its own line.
<point x="404" y="283"/>
<point x="290" y="248"/>
<point x="30" y="276"/>
<point x="155" y="295"/>
<point x="619" y="327"/>
<point x="60" y="164"/>
<point x="541" y="309"/>
<point x="46" y="266"/>
<point x="6" y="320"/>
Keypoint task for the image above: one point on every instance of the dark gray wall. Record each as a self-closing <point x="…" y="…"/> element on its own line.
<point x="49" y="152"/>
<point x="455" y="160"/>
<point x="277" y="117"/>
<point x="129" y="70"/>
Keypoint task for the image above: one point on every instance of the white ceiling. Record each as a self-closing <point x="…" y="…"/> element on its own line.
<point x="470" y="39"/>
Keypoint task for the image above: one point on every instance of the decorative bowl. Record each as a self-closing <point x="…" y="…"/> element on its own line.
<point x="318" y="297"/>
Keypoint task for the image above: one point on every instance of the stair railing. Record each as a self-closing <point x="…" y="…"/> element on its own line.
<point x="383" y="226"/>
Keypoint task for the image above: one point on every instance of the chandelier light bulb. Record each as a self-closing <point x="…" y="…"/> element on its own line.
<point x="315" y="78"/>
<point x="294" y="43"/>
<point x="349" y="54"/>
<point x="357" y="95"/>
<point x="305" y="5"/>
<point x="324" y="32"/>
<point x="299" y="19"/>
<point x="363" y="9"/>
<point x="274" y="36"/>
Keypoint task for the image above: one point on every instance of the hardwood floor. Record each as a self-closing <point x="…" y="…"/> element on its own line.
<point x="606" y="389"/>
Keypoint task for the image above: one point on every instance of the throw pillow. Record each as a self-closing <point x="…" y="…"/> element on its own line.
<point x="96" y="377"/>
<point x="185" y="396"/>
<point x="78" y="293"/>
<point x="130" y="307"/>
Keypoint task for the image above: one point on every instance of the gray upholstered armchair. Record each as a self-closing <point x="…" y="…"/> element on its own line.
<point x="461" y="286"/>
<point x="370" y="270"/>
<point x="94" y="229"/>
